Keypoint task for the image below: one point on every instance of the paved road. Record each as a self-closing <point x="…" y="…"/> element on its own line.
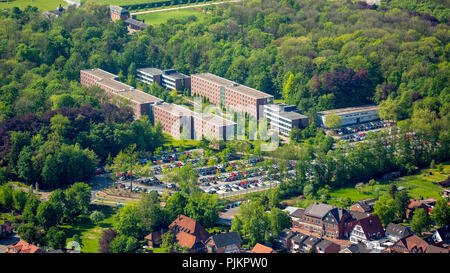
<point x="184" y="7"/>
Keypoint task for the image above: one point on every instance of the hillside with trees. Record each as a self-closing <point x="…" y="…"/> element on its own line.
<point x="318" y="55"/>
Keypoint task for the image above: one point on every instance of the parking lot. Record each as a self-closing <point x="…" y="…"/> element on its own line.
<point x="359" y="132"/>
<point x="234" y="177"/>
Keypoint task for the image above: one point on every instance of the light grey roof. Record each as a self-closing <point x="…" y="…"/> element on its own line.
<point x="118" y="9"/>
<point x="136" y="23"/>
<point x="299" y="238"/>
<point x="318" y="209"/>
<point x="292" y="115"/>
<point x="358" y="248"/>
<point x="398" y="230"/>
<point x="150" y="70"/>
<point x="349" y="110"/>
<point x="324" y="244"/>
<point x="226" y="239"/>
<point x="298" y="213"/>
<point x="173" y="74"/>
<point x="312" y="241"/>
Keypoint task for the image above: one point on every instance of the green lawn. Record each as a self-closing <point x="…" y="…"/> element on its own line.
<point x="88" y="232"/>
<point x="43" y="5"/>
<point x="418" y="186"/>
<point x="157" y="18"/>
<point x="121" y="2"/>
<point x="188" y="143"/>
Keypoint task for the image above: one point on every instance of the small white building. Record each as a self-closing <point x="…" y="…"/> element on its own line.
<point x="350" y="115"/>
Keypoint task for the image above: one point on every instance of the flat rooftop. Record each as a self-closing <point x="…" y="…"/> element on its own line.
<point x="292" y="115"/>
<point x="100" y="73"/>
<point x="139" y="96"/>
<point x="233" y="85"/>
<point x="173" y="75"/>
<point x="150" y="70"/>
<point x="116" y="85"/>
<point x="215" y="119"/>
<point x="175" y="109"/>
<point x="349" y="110"/>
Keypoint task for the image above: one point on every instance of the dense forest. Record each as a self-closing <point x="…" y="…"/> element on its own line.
<point x="318" y="55"/>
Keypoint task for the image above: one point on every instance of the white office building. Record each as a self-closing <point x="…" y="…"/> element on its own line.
<point x="350" y="115"/>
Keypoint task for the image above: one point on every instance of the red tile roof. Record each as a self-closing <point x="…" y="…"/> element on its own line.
<point x="259" y="248"/>
<point x="186" y="239"/>
<point x="413" y="244"/>
<point x="184" y="226"/>
<point x="371" y="226"/>
<point x="24" y="247"/>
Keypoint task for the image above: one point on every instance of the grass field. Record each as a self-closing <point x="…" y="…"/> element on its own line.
<point x="121" y="2"/>
<point x="157" y="18"/>
<point x="418" y="186"/>
<point x="89" y="232"/>
<point x="43" y="5"/>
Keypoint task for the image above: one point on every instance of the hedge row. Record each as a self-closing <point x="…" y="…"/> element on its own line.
<point x="161" y="4"/>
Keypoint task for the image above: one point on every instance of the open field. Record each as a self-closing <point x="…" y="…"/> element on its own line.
<point x="43" y="5"/>
<point x="418" y="186"/>
<point x="157" y="18"/>
<point x="89" y="232"/>
<point x="121" y="2"/>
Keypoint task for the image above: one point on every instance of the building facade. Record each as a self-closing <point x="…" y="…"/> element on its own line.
<point x="117" y="13"/>
<point x="350" y="115"/>
<point x="141" y="102"/>
<point x="181" y="122"/>
<point x="284" y="117"/>
<point x="169" y="78"/>
<point x="228" y="94"/>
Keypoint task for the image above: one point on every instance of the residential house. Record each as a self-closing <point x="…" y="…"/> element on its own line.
<point x="440" y="237"/>
<point x="350" y="222"/>
<point x="365" y="205"/>
<point x="285" y="238"/>
<point x="259" y="248"/>
<point x="445" y="183"/>
<point x="154" y="238"/>
<point x="323" y="220"/>
<point x="297" y="216"/>
<point x="24" y="247"/>
<point x="436" y="249"/>
<point x="309" y="245"/>
<point x="413" y="205"/>
<point x="410" y="244"/>
<point x="366" y="230"/>
<point x="189" y="233"/>
<point x="5" y="230"/>
<point x="297" y="243"/>
<point x="224" y="243"/>
<point x="396" y="232"/>
<point x="356" y="248"/>
<point x="327" y="246"/>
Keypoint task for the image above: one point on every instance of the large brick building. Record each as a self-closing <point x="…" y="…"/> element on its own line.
<point x="236" y="97"/>
<point x="140" y="102"/>
<point x="181" y="122"/>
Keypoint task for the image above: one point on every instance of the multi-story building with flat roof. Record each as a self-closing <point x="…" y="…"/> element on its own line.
<point x="181" y="122"/>
<point x="169" y="78"/>
<point x="284" y="117"/>
<point x="350" y="115"/>
<point x="229" y="94"/>
<point x="140" y="102"/>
